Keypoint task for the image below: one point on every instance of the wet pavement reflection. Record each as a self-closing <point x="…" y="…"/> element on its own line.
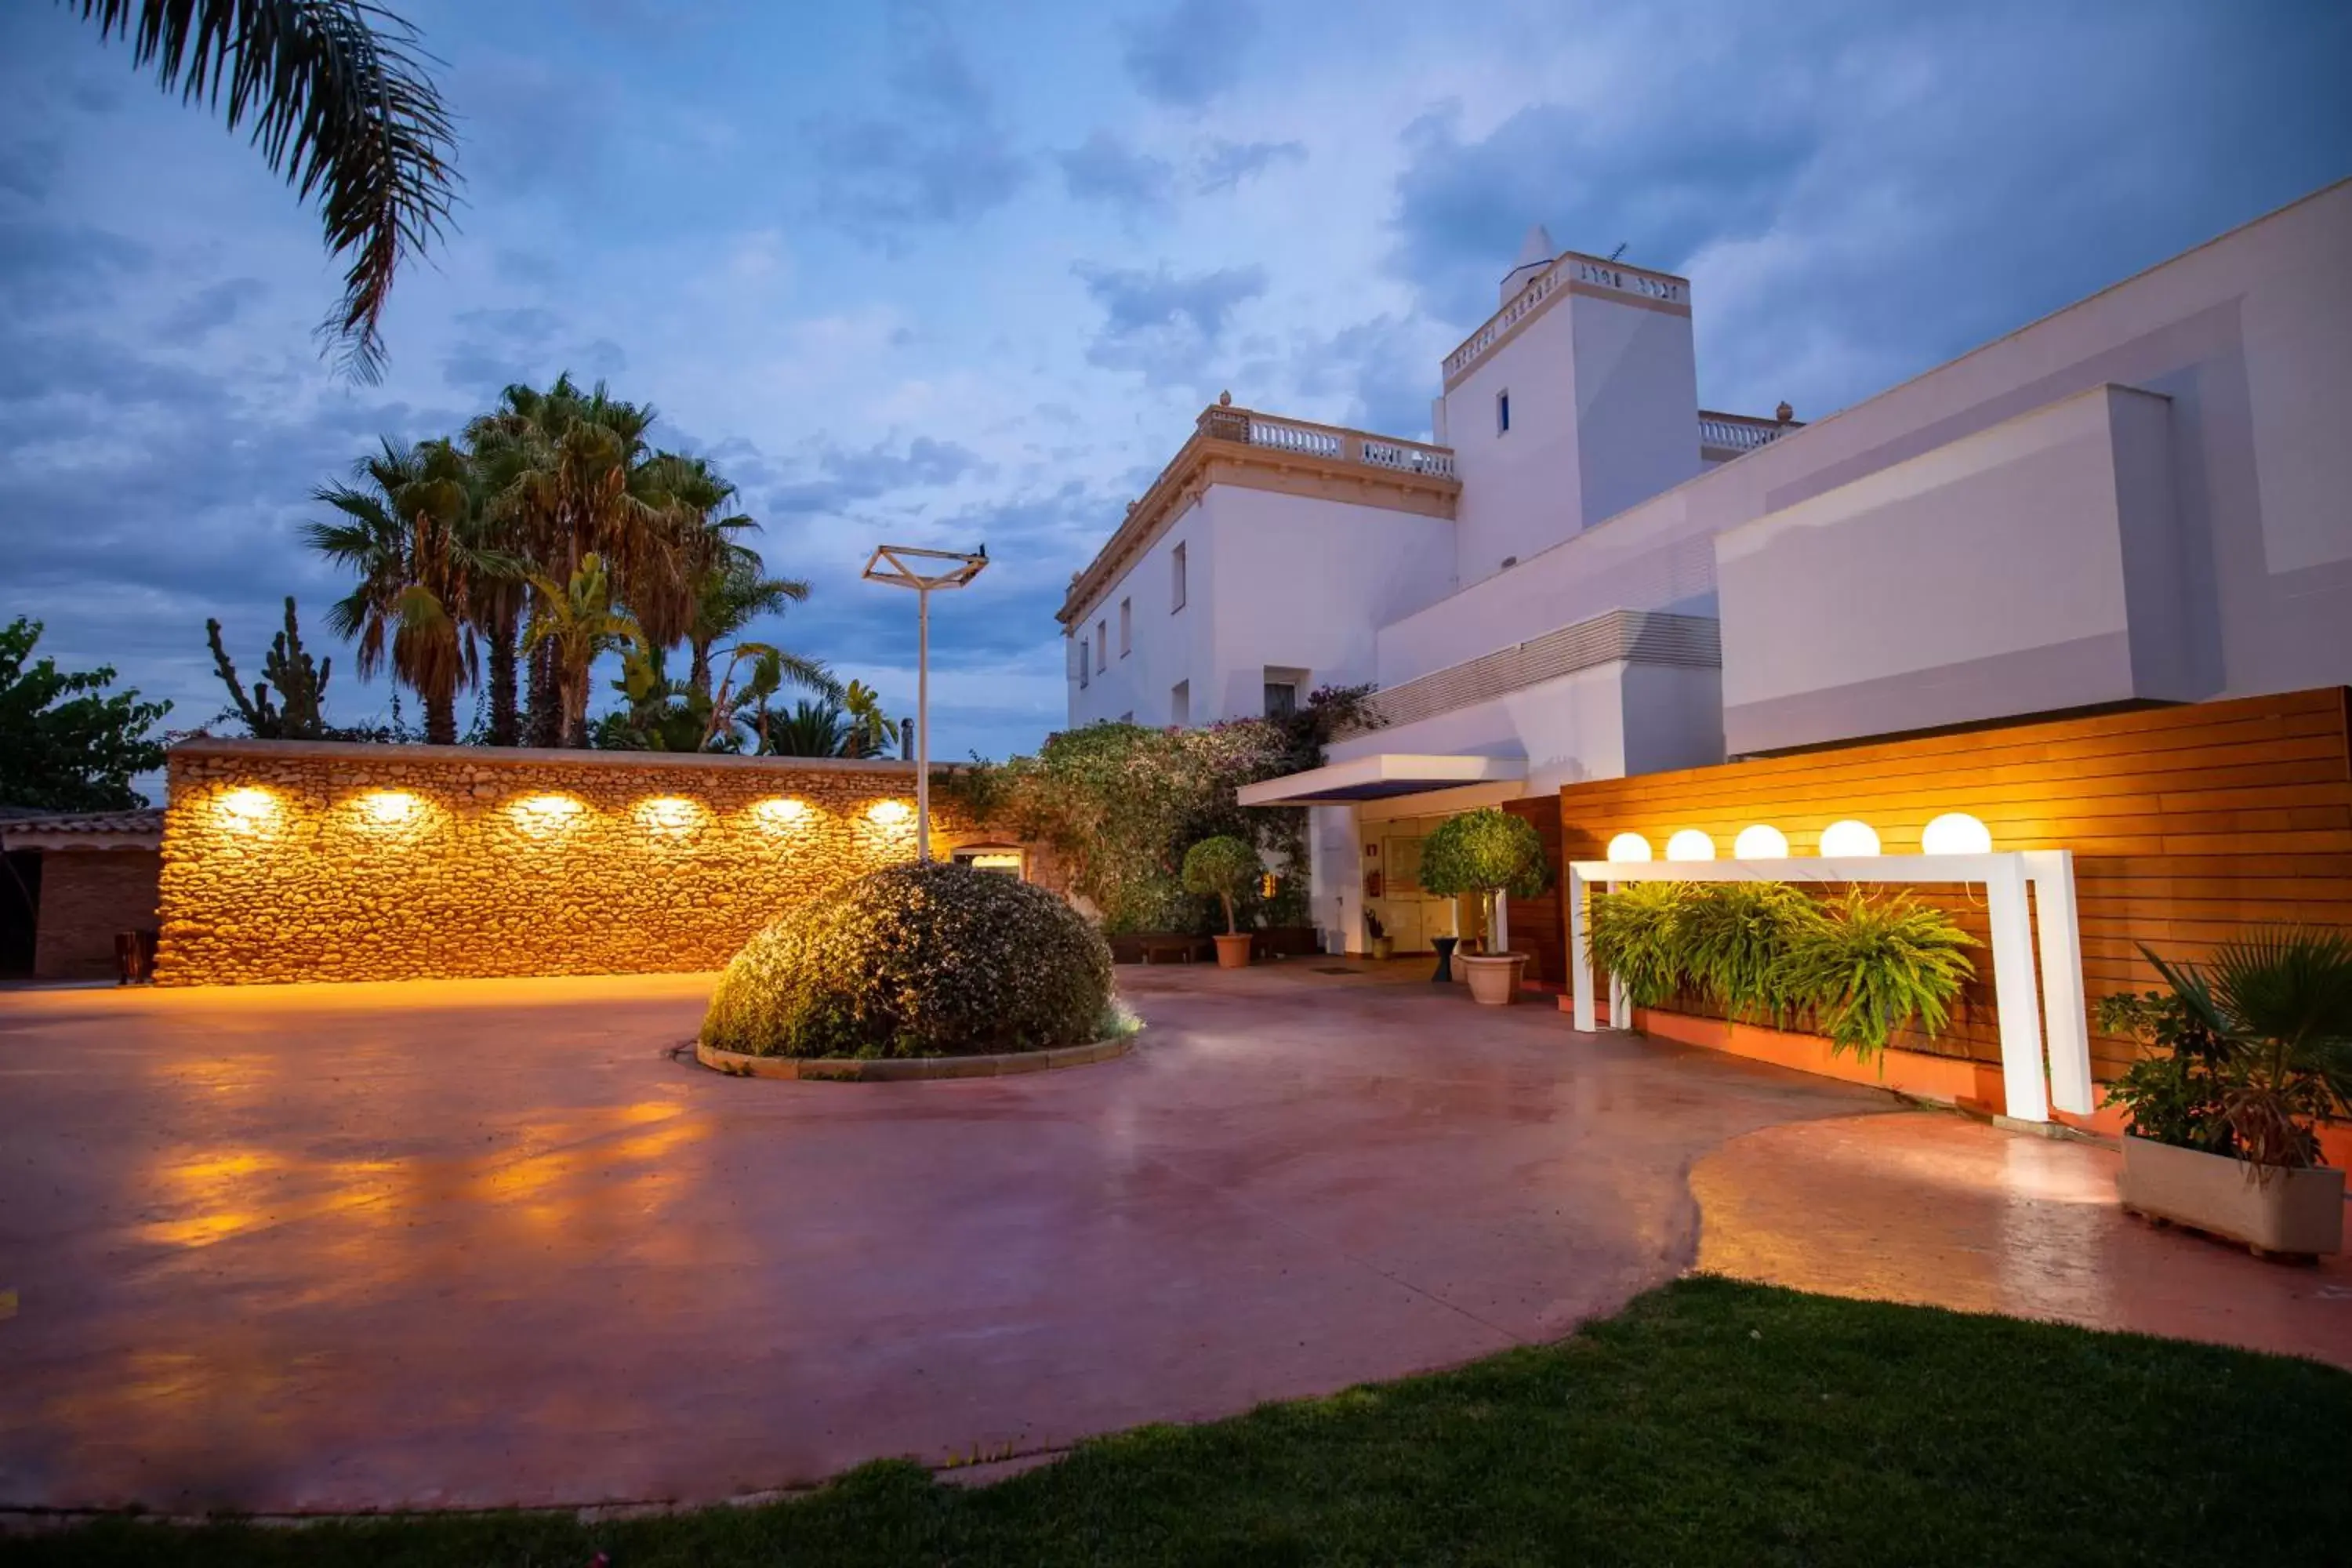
<point x="336" y="1247"/>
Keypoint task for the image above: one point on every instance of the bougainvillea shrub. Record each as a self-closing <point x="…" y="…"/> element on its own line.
<point x="917" y="960"/>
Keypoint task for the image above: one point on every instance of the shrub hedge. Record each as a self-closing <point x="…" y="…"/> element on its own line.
<point x="932" y="960"/>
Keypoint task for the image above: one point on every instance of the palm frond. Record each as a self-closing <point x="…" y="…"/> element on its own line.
<point x="341" y="103"/>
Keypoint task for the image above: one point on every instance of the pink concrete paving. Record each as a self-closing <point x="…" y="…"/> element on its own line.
<point x="1940" y="1211"/>
<point x="341" y="1246"/>
<point x="347" y="1247"/>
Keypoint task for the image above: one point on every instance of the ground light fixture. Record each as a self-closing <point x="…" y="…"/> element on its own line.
<point x="1761" y="841"/>
<point x="1956" y="833"/>
<point x="1629" y="848"/>
<point x="924" y="571"/>
<point x="1849" y="838"/>
<point x="1690" y="844"/>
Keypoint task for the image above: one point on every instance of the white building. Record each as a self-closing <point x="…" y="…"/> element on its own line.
<point x="2144" y="497"/>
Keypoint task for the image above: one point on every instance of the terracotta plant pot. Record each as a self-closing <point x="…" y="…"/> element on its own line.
<point x="1494" y="980"/>
<point x="1233" y="951"/>
<point x="2297" y="1212"/>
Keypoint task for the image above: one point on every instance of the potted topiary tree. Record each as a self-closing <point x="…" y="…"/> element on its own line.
<point x="1224" y="865"/>
<point x="1486" y="852"/>
<point x="2250" y="1051"/>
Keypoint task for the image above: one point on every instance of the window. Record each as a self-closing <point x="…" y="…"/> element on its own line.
<point x="1283" y="686"/>
<point x="1078" y="646"/>
<point x="1102" y="646"/>
<point x="1176" y="564"/>
<point x="1179" y="704"/>
<point x="1126" y="626"/>
<point x="1503" y="413"/>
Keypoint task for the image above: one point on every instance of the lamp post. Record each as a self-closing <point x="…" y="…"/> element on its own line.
<point x="905" y="566"/>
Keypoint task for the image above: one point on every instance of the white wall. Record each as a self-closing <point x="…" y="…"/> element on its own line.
<point x="2037" y="558"/>
<point x="2251" y="340"/>
<point x="1169" y="646"/>
<point x="1604" y="413"/>
<point x="1272" y="579"/>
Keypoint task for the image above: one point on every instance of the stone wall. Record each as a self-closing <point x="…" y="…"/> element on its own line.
<point x="88" y="896"/>
<point x="306" y="860"/>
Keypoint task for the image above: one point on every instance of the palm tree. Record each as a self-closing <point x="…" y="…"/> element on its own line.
<point x="869" y="726"/>
<point x="340" y="105"/>
<point x="729" y="598"/>
<point x="410" y="531"/>
<point x="565" y="473"/>
<point x="576" y="621"/>
<point x="813" y="729"/>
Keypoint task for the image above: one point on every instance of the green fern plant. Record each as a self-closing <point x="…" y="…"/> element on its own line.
<point x="1735" y="939"/>
<point x="1636" y="937"/>
<point x="1869" y="967"/>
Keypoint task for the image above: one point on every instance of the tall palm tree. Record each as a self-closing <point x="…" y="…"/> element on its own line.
<point x="730" y="598"/>
<point x="565" y="476"/>
<point x="340" y="104"/>
<point x="577" y="622"/>
<point x="409" y="530"/>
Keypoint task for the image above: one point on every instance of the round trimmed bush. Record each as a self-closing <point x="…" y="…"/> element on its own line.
<point x="932" y="960"/>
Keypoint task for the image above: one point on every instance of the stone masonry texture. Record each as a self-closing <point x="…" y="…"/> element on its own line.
<point x="289" y="862"/>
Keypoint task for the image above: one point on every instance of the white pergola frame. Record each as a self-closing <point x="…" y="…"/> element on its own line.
<point x="2006" y="876"/>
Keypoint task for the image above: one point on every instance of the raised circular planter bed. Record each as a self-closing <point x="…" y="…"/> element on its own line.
<point x="904" y="1070"/>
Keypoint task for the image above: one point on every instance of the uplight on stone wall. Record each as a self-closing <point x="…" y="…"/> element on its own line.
<point x="285" y="862"/>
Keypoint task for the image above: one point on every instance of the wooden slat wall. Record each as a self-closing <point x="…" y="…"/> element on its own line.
<point x="1539" y="926"/>
<point x="2187" y="823"/>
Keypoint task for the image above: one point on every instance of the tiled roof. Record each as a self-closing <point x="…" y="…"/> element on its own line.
<point x="147" y="823"/>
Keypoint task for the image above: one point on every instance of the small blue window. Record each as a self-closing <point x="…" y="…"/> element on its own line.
<point x="1502" y="414"/>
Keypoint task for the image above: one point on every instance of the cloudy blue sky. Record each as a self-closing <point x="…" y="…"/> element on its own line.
<point x="942" y="274"/>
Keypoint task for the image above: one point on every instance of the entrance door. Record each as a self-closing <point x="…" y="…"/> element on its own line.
<point x="1412" y="914"/>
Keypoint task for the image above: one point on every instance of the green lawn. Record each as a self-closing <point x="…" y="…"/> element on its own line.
<point x="1708" y="1423"/>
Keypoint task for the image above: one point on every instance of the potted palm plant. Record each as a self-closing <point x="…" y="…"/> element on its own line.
<point x="1486" y="852"/>
<point x="2250" y="1050"/>
<point x="1224" y="865"/>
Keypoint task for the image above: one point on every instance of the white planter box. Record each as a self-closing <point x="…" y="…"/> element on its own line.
<point x="2292" y="1211"/>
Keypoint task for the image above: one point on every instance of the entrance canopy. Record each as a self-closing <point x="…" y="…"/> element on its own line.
<point x="1381" y="776"/>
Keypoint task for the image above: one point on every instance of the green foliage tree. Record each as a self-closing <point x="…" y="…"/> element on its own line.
<point x="65" y="743"/>
<point x="2256" y="1042"/>
<point x="299" y="711"/>
<point x="870" y="729"/>
<point x="577" y="622"/>
<point x="414" y="532"/>
<point x="340" y="104"/>
<point x="1120" y="803"/>
<point x="1225" y="867"/>
<point x="811" y="730"/>
<point x="1483" y="853"/>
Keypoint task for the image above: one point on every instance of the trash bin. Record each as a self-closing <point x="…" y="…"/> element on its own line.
<point x="135" y="957"/>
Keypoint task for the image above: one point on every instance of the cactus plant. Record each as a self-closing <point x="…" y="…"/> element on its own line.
<point x="297" y="712"/>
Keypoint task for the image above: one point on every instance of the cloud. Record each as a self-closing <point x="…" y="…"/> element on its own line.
<point x="1858" y="196"/>
<point x="498" y="347"/>
<point x="1104" y="169"/>
<point x="1661" y="187"/>
<point x="840" y="478"/>
<point x="1226" y="164"/>
<point x="48" y="267"/>
<point x="1385" y="370"/>
<point x="937" y="156"/>
<point x="1190" y="52"/>
<point x="1167" y="325"/>
<point x="209" y="309"/>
